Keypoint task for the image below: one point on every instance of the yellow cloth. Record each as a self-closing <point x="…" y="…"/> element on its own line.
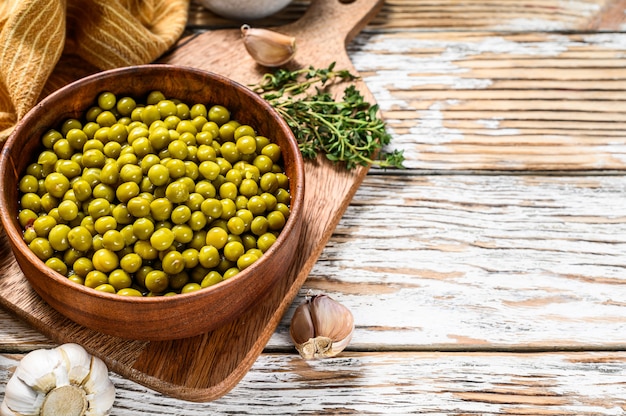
<point x="45" y="44"/>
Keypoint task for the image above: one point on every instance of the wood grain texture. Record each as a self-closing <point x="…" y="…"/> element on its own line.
<point x="520" y="101"/>
<point x="475" y="262"/>
<point x="523" y="15"/>
<point x="487" y="278"/>
<point x="403" y="383"/>
<point x="215" y="361"/>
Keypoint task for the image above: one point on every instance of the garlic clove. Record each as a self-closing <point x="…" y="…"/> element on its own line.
<point x="37" y="369"/>
<point x="21" y="399"/>
<point x="99" y="388"/>
<point x="327" y="313"/>
<point x="62" y="381"/>
<point x="77" y="362"/>
<point x="302" y="328"/>
<point x="267" y="47"/>
<point x="5" y="411"/>
<point x="321" y="327"/>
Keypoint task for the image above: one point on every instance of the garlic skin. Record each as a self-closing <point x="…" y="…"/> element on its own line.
<point x="61" y="381"/>
<point x="321" y="327"/>
<point x="267" y="47"/>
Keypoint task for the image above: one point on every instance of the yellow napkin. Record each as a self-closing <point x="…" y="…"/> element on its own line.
<point x="45" y="44"/>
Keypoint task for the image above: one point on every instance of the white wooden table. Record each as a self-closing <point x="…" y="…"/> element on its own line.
<point x="489" y="276"/>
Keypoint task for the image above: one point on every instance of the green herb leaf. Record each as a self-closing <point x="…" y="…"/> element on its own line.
<point x="347" y="131"/>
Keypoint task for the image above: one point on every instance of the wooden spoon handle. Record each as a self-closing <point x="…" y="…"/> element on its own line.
<point x="335" y="19"/>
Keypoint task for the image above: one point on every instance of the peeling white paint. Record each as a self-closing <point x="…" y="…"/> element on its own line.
<point x="531" y="25"/>
<point x="494" y="129"/>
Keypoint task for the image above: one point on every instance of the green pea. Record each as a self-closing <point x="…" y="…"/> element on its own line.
<point x="131" y="262"/>
<point x="248" y="188"/>
<point x="58" y="237"/>
<point x="150" y="114"/>
<point x="190" y="258"/>
<point x="69" y="124"/>
<point x="48" y="202"/>
<point x="211" y="278"/>
<point x="270" y="201"/>
<point x="57" y="265"/>
<point x="94" y="158"/>
<point x="182" y="110"/>
<point x="246" y="260"/>
<point x="106" y="118"/>
<point x="209" y="256"/>
<point x="217" y="237"/>
<point x="125" y="106"/>
<point x="231" y="272"/>
<point x="107" y="100"/>
<point x="190" y="287"/>
<point x="179" y="280"/>
<point x="246" y="145"/>
<point x="77" y="138"/>
<point x="120" y="279"/>
<point x="233" y="250"/>
<point x="276" y="220"/>
<point x="79" y="238"/>
<point x="162" y="239"/>
<point x="177" y="192"/>
<point x="129" y="291"/>
<point x="57" y="184"/>
<point x="126" y="191"/>
<point x="181" y="214"/>
<point x="236" y="225"/>
<point x="256" y="205"/>
<point x="157" y="281"/>
<point x="31" y="201"/>
<point x="43" y="224"/>
<point x="82" y="189"/>
<point x="105" y="287"/>
<point x="105" y="260"/>
<point x="68" y="168"/>
<point x="131" y="173"/>
<point x="249" y="242"/>
<point x="42" y="248"/>
<point x="259" y="225"/>
<point x="173" y="262"/>
<point x="265" y="241"/>
<point x="113" y="240"/>
<point x="50" y="137"/>
<point x="82" y="266"/>
<point x="229" y="208"/>
<point x="145" y="250"/>
<point x="143" y="228"/>
<point x="96" y="278"/>
<point x="99" y="207"/>
<point x="26" y="217"/>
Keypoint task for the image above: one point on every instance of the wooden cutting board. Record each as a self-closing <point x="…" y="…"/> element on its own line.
<point x="207" y="366"/>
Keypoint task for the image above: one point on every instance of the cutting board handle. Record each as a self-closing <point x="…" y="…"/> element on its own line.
<point x="335" y="20"/>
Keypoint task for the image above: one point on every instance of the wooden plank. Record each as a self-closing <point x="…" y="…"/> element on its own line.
<point x="589" y="383"/>
<point x="503" y="101"/>
<point x="469" y="262"/>
<point x="523" y="15"/>
<point x="479" y="262"/>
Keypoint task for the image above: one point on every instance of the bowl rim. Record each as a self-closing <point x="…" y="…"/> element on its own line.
<point x="14" y="233"/>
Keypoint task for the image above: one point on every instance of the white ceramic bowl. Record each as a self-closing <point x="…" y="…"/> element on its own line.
<point x="243" y="10"/>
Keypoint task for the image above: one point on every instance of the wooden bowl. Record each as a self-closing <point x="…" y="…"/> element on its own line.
<point x="164" y="317"/>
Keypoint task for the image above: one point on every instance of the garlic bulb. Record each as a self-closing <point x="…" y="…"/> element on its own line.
<point x="267" y="47"/>
<point x="64" y="381"/>
<point x="321" y="327"/>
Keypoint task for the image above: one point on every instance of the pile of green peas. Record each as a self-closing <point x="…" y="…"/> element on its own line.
<point x="153" y="197"/>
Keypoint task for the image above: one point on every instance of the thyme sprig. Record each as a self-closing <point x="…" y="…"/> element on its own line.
<point x="348" y="130"/>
